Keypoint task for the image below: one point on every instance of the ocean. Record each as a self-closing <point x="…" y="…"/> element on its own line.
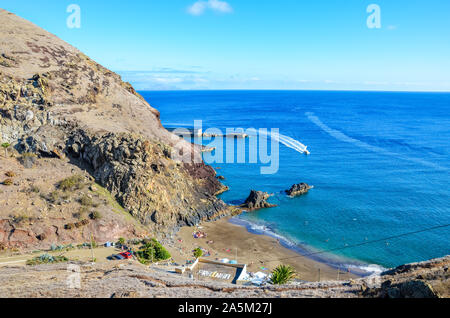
<point x="379" y="164"/>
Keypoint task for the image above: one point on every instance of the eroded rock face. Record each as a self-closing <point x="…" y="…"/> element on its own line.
<point x="408" y="289"/>
<point x="429" y="279"/>
<point x="257" y="200"/>
<point x="56" y="102"/>
<point x="298" y="189"/>
<point x="145" y="180"/>
<point x="42" y="235"/>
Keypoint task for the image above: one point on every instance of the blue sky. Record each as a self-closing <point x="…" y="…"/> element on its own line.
<point x="258" y="44"/>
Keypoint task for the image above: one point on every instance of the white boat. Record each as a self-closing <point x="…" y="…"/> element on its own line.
<point x="306" y="152"/>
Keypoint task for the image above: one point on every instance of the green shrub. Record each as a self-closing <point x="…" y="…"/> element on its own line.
<point x="47" y="259"/>
<point x="53" y="197"/>
<point x="95" y="215"/>
<point x="10" y="174"/>
<point x="152" y="251"/>
<point x="5" y="146"/>
<point x="121" y="241"/>
<point x="8" y="182"/>
<point x="198" y="252"/>
<point x="87" y="201"/>
<point x="75" y="182"/>
<point x="34" y="189"/>
<point x="28" y="155"/>
<point x="282" y="275"/>
<point x="69" y="226"/>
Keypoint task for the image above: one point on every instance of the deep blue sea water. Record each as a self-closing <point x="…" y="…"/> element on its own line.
<point x="379" y="164"/>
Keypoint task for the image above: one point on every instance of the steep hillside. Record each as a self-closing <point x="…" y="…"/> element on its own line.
<point x="59" y="108"/>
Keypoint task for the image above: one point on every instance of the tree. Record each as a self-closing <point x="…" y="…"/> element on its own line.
<point x="198" y="252"/>
<point x="152" y="251"/>
<point x="160" y="252"/>
<point x="5" y="146"/>
<point x="282" y="275"/>
<point x="121" y="241"/>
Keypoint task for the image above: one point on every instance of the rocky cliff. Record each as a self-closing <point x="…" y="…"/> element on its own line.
<point x="58" y="104"/>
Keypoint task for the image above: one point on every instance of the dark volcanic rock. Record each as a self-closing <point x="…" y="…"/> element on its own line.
<point x="298" y="189"/>
<point x="147" y="182"/>
<point x="408" y="289"/>
<point x="257" y="200"/>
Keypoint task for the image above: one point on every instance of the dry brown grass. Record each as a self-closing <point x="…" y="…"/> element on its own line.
<point x="10" y="174"/>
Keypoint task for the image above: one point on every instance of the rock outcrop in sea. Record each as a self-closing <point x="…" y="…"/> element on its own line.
<point x="298" y="189"/>
<point x="257" y="200"/>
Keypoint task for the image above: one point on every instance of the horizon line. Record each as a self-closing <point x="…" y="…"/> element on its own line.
<point x="298" y="90"/>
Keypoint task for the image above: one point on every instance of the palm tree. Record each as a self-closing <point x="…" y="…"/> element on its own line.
<point x="6" y="145"/>
<point x="198" y="252"/>
<point x="282" y="275"/>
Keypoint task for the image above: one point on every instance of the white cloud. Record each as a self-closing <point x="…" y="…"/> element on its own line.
<point x="199" y="7"/>
<point x="166" y="79"/>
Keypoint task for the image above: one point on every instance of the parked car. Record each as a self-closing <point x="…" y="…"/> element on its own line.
<point x="126" y="255"/>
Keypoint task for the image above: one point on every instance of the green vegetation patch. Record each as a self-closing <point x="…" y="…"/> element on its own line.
<point x="47" y="259"/>
<point x="10" y="174"/>
<point x="282" y="275"/>
<point x="5" y="146"/>
<point x="152" y="251"/>
<point x="87" y="200"/>
<point x="8" y="182"/>
<point x="72" y="183"/>
<point x="116" y="207"/>
<point x="95" y="215"/>
<point x="198" y="252"/>
<point x="34" y="189"/>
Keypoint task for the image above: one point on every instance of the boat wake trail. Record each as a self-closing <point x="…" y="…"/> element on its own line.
<point x="343" y="137"/>
<point x="287" y="141"/>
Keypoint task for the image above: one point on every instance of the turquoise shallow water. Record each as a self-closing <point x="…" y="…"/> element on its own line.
<point x="380" y="166"/>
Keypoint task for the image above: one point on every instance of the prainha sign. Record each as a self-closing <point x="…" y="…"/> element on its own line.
<point x="214" y="275"/>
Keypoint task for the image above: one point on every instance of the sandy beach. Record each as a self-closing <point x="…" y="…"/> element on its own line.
<point x="234" y="242"/>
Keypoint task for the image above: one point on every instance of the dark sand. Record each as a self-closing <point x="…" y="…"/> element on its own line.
<point x="254" y="250"/>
